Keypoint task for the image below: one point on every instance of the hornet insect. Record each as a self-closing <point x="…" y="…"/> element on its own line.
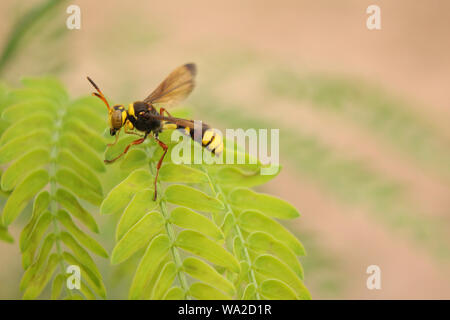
<point x="142" y="116"/>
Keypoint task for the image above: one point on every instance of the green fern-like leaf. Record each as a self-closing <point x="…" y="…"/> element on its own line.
<point x="50" y="158"/>
<point x="208" y="236"/>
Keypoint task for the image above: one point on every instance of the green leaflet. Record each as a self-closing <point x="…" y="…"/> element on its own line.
<point x="192" y="198"/>
<point x="255" y="221"/>
<point x="116" y="149"/>
<point x="22" y="194"/>
<point x="90" y="103"/>
<point x="262" y="242"/>
<point x="86" y="113"/>
<point x="37" y="265"/>
<point x="66" y="159"/>
<point x="87" y="292"/>
<point x="157" y="151"/>
<point x="95" y="282"/>
<point x="200" y="270"/>
<point x="3" y="125"/>
<point x="40" y="204"/>
<point x="92" y="138"/>
<point x="270" y="266"/>
<point x="202" y="246"/>
<point x="273" y="289"/>
<point x="228" y="223"/>
<point x="4" y="90"/>
<point x="80" y="253"/>
<point x="171" y="172"/>
<point x="79" y="186"/>
<point x="27" y="125"/>
<point x="137" y="237"/>
<point x="247" y="199"/>
<point x="238" y="248"/>
<point x="29" y="94"/>
<point x="156" y="251"/>
<point x="82" y="237"/>
<point x="57" y="286"/>
<point x="47" y="86"/>
<point x="141" y="204"/>
<point x="26" y="109"/>
<point x="83" y="152"/>
<point x="135" y="158"/>
<point x="67" y="200"/>
<point x="153" y="280"/>
<point x="20" y="145"/>
<point x="32" y="242"/>
<point x="244" y="273"/>
<point x="231" y="176"/>
<point x="249" y="292"/>
<point x="175" y="293"/>
<point x="164" y="281"/>
<point x="119" y="197"/>
<point x="5" y="235"/>
<point x="203" y="291"/>
<point x="38" y="283"/>
<point x="188" y="219"/>
<point x="22" y="167"/>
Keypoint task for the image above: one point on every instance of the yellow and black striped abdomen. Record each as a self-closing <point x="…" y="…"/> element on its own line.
<point x="212" y="141"/>
<point x="209" y="138"/>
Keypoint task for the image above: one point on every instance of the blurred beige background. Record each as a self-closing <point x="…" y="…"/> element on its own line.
<point x="363" y="116"/>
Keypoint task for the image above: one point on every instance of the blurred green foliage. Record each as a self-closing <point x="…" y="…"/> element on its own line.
<point x="37" y="23"/>
<point x="50" y="167"/>
<point x="371" y="108"/>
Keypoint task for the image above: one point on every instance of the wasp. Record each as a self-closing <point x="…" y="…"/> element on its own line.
<point x="143" y="119"/>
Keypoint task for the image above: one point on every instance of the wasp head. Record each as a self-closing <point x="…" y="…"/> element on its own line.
<point x="117" y="118"/>
<point x="117" y="115"/>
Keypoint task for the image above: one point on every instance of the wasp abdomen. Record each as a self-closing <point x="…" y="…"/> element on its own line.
<point x="207" y="137"/>
<point x="212" y="141"/>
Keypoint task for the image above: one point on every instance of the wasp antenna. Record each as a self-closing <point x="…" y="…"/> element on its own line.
<point x="99" y="94"/>
<point x="93" y="83"/>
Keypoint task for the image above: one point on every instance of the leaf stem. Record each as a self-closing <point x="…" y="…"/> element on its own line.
<point x="53" y="188"/>
<point x="170" y="233"/>
<point x="217" y="190"/>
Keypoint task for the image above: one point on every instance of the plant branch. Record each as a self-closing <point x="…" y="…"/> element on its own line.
<point x="170" y="232"/>
<point x="53" y="187"/>
<point x="217" y="190"/>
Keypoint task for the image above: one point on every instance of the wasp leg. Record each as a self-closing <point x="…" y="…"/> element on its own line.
<point x="162" y="110"/>
<point x="132" y="132"/>
<point x="158" y="166"/>
<point x="115" y="141"/>
<point x="135" y="142"/>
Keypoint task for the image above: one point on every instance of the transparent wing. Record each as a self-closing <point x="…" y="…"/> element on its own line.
<point x="176" y="87"/>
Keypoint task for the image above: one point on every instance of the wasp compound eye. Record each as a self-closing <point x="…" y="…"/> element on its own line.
<point x="112" y="132"/>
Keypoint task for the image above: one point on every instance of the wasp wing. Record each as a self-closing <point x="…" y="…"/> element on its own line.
<point x="176" y="87"/>
<point x="182" y="124"/>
